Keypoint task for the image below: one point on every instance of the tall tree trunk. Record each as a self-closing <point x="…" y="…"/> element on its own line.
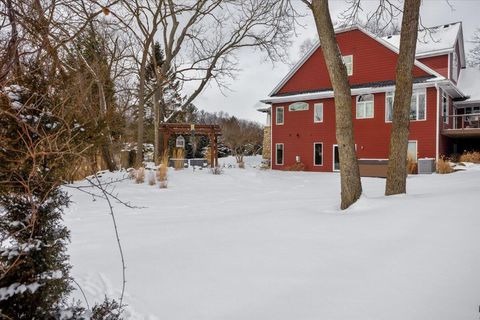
<point x="140" y="115"/>
<point x="107" y="143"/>
<point x="156" y="126"/>
<point x="397" y="164"/>
<point x="351" y="187"/>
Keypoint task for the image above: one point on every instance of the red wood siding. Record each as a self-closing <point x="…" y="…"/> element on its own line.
<point x="438" y="63"/>
<point x="372" y="136"/>
<point x="372" y="62"/>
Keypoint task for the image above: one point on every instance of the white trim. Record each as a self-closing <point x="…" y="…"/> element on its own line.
<point x="449" y="67"/>
<point x="314" y="112"/>
<point x="329" y="94"/>
<point x="371" y="35"/>
<point x="317" y="165"/>
<point x="271" y="140"/>
<point x="437" y="126"/>
<point x="333" y="158"/>
<point x="276" y="116"/>
<point x="283" y="154"/>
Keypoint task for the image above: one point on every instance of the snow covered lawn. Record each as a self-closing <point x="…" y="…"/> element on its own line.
<point x="251" y="244"/>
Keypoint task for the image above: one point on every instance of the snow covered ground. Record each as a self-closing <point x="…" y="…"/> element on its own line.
<point x="252" y="244"/>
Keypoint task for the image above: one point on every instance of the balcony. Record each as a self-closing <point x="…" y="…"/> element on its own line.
<point x="463" y="126"/>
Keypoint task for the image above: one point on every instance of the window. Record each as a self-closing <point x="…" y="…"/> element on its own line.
<point x="365" y="106"/>
<point x="279" y="154"/>
<point x="318" y="112"/>
<point x="445" y="107"/>
<point x="279" y="115"/>
<point x="389" y="105"/>
<point x="348" y="62"/>
<point x="412" y="150"/>
<point x="298" y="106"/>
<point x="417" y="105"/>
<point x="318" y="153"/>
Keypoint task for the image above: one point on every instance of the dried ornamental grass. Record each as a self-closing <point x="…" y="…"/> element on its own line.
<point x="471" y="156"/>
<point x="162" y="171"/>
<point x="179" y="155"/>
<point x="444" y="166"/>
<point x="411" y="166"/>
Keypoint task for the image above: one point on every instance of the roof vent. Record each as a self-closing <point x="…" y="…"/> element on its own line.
<point x="389" y="37"/>
<point x="446" y="25"/>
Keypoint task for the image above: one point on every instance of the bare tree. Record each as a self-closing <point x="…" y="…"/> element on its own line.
<point x="200" y="40"/>
<point x="397" y="163"/>
<point x="474" y="54"/>
<point x="351" y="187"/>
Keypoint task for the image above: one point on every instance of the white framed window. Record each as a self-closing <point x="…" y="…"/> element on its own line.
<point x="348" y="62"/>
<point x="279" y="115"/>
<point x="365" y="106"/>
<point x="298" y="106"/>
<point x="279" y="153"/>
<point x="412" y="151"/>
<point x="418" y="105"/>
<point x="445" y="106"/>
<point x="318" y="154"/>
<point x="318" y="112"/>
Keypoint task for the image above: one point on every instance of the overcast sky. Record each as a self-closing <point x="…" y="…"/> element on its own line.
<point x="258" y="77"/>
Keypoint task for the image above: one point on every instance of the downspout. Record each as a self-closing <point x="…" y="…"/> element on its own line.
<point x="271" y="137"/>
<point x="437" y="124"/>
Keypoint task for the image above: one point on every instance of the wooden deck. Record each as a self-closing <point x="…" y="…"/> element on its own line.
<point x="462" y="133"/>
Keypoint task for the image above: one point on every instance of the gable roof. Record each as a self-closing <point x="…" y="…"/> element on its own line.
<point x="469" y="83"/>
<point x="314" y="48"/>
<point x="435" y="40"/>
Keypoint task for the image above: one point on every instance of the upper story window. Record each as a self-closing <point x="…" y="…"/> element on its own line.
<point x="279" y="115"/>
<point x="318" y="112"/>
<point x="365" y="106"/>
<point x="298" y="106"/>
<point x="348" y="61"/>
<point x="418" y="105"/>
<point x="418" y="110"/>
<point x="445" y="107"/>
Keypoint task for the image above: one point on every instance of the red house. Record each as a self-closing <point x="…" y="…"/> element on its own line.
<point x="445" y="109"/>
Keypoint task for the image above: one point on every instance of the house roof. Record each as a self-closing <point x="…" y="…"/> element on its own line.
<point x="469" y="83"/>
<point x="435" y="40"/>
<point x="309" y="53"/>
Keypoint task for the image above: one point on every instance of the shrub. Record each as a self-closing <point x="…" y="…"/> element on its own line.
<point x="444" y="166"/>
<point x="471" y="156"/>
<point x="216" y="170"/>
<point x="299" y="166"/>
<point x="411" y="166"/>
<point x="140" y="175"/>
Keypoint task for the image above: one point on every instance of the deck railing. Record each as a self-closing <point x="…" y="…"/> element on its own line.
<point x="465" y="121"/>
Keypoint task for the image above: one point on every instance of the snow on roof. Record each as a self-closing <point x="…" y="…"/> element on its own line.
<point x="469" y="83"/>
<point x="431" y="40"/>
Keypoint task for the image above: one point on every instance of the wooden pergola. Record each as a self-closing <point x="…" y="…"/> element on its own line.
<point x="211" y="131"/>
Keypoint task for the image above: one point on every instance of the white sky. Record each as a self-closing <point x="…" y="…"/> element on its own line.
<point x="258" y="77"/>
